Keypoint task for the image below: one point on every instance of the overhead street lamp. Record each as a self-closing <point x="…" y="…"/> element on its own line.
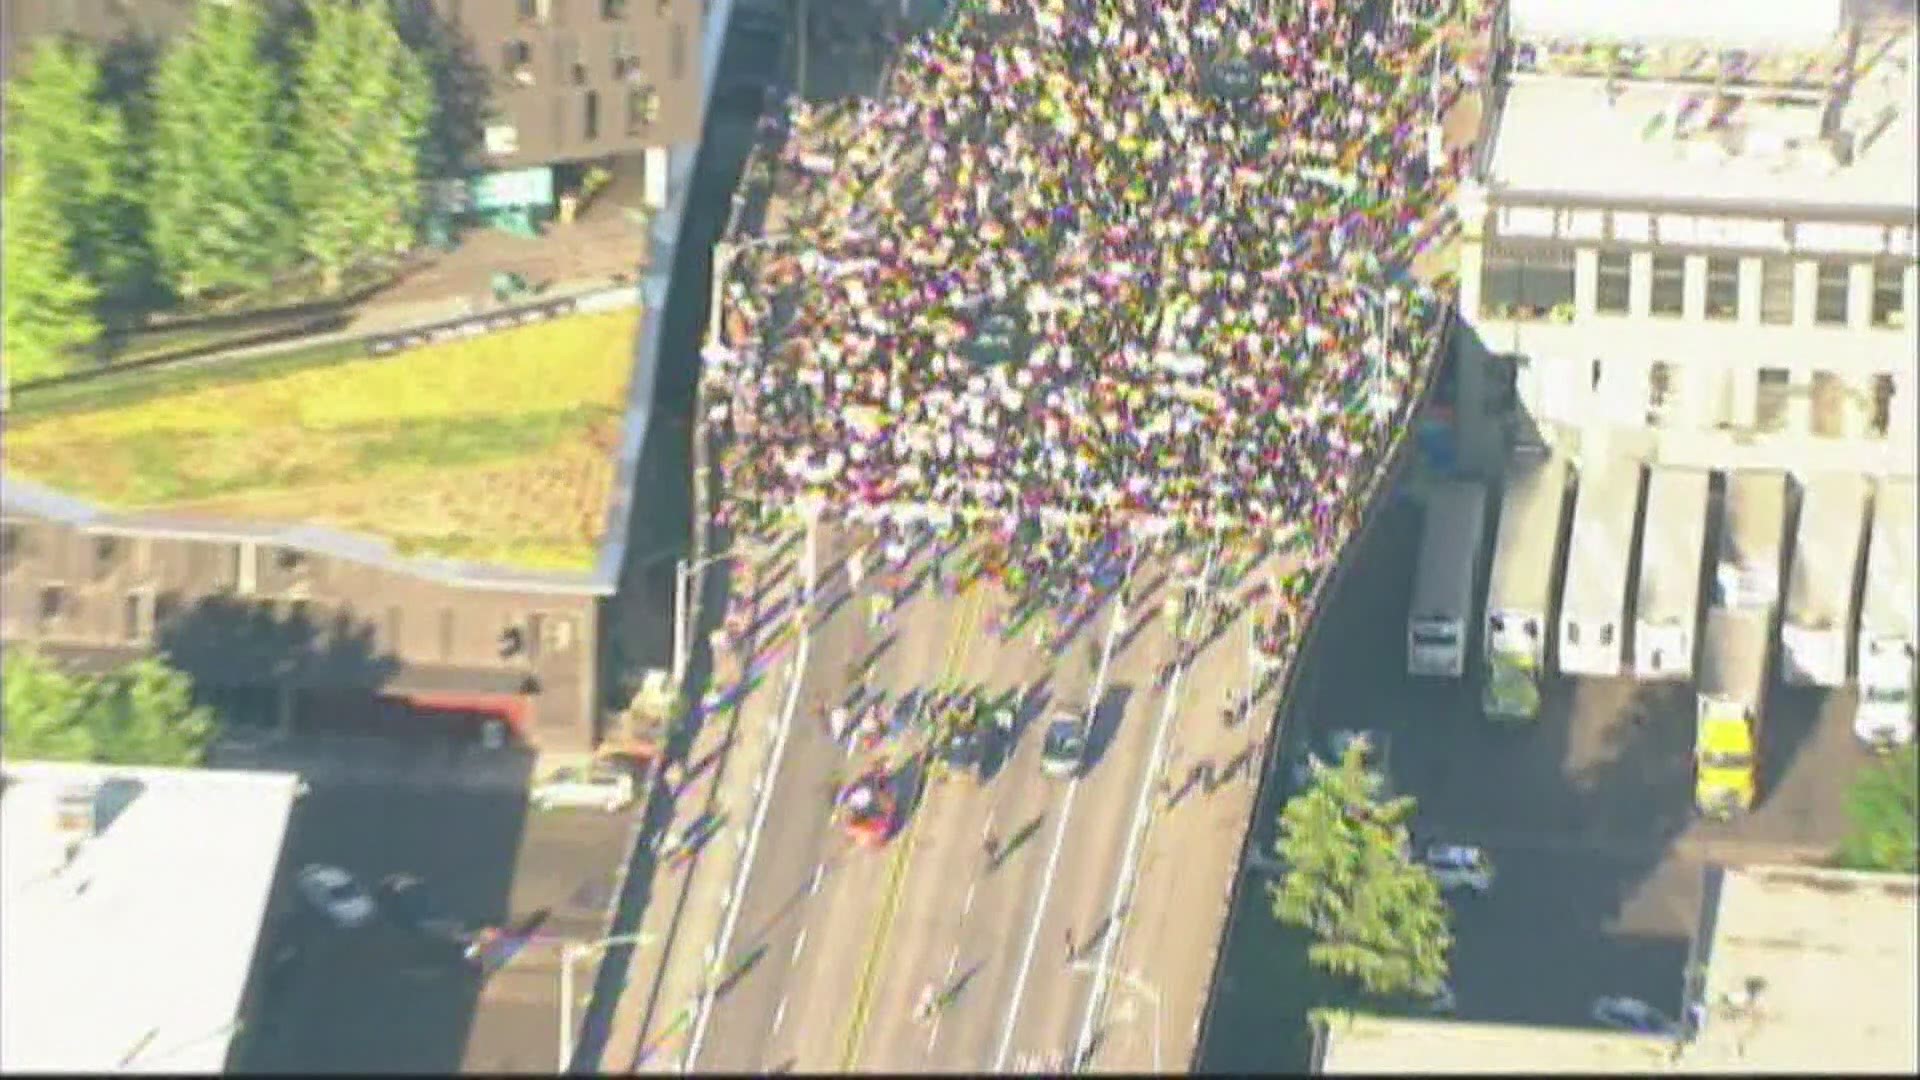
<point x="1132" y="982"/>
<point x="683" y="572"/>
<point x="569" y="952"/>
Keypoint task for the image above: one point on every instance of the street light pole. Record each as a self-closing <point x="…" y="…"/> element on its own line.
<point x="569" y="952"/>
<point x="683" y="572"/>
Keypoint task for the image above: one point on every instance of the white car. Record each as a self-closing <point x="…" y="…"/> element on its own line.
<point x="598" y="787"/>
<point x="1631" y="1014"/>
<point x="335" y="894"/>
<point x="1459" y="866"/>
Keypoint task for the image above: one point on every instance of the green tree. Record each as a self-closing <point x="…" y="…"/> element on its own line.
<point x="47" y="307"/>
<point x="216" y="183"/>
<point x="363" y="102"/>
<point x="1376" y="917"/>
<point x="60" y="126"/>
<point x="140" y="714"/>
<point x="1883" y="806"/>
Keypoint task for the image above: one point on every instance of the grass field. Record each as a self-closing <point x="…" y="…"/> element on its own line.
<point x="494" y="449"/>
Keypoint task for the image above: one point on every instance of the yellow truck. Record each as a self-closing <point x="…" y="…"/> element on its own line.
<point x="1732" y="691"/>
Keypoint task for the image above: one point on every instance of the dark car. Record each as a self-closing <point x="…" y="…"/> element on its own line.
<point x="1063" y="750"/>
<point x="406" y="904"/>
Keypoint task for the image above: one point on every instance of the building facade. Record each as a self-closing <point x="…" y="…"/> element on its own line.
<point x="1696" y="251"/>
<point x="295" y="640"/>
<point x="558" y="81"/>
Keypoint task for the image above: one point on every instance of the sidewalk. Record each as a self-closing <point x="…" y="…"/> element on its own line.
<point x="688" y="901"/>
<point x="378" y="760"/>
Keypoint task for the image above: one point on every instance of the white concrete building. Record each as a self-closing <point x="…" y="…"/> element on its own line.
<point x="132" y="907"/>
<point x="1695" y="245"/>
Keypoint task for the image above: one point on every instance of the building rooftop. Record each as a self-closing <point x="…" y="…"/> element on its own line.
<point x="494" y="450"/>
<point x="1676" y="129"/>
<point x="127" y="947"/>
<point x="1809" y="971"/>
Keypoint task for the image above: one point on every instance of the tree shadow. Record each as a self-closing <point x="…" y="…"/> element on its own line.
<point x="463" y="90"/>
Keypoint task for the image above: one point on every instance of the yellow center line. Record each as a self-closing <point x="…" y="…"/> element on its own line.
<point x="957" y="650"/>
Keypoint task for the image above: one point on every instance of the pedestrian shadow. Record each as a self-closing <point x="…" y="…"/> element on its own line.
<point x="1020" y="837"/>
<point x="959" y="985"/>
<point x="740" y="970"/>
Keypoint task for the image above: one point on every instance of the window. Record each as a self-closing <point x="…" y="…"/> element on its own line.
<point x="1829" y="398"/>
<point x="590" y="118"/>
<point x="625" y="63"/>
<point x="1613" y="283"/>
<point x="517" y="59"/>
<point x="1881" y="420"/>
<point x="1606" y="634"/>
<point x="136" y="627"/>
<point x="1669" y="293"/>
<point x="1830" y="293"/>
<point x="1659" y="391"/>
<point x="613" y="9"/>
<point x="1723" y="287"/>
<point x="502" y="139"/>
<point x="1776" y="292"/>
<point x="643" y="106"/>
<point x="1890" y="296"/>
<point x="1529" y="285"/>
<point x="531" y="10"/>
<point x="1770" y="400"/>
<point x="568" y="66"/>
<point x="1573" y="634"/>
<point x="53" y="605"/>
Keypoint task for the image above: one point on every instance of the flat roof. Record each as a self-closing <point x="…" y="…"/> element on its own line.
<point x="1806" y="970"/>
<point x="133" y="955"/>
<point x="1812" y="971"/>
<point x="1575" y="135"/>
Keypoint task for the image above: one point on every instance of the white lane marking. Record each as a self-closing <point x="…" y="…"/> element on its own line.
<point x="780" y="1014"/>
<point x="1059" y="836"/>
<point x="799" y="943"/>
<point x="797" y="672"/>
<point x="988" y="831"/>
<point x="1141" y="812"/>
<point x="819" y="870"/>
<point x="966" y="908"/>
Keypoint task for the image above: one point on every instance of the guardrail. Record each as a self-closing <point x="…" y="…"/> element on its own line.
<point x="1399" y="455"/>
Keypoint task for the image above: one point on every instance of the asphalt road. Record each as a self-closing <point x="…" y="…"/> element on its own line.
<point x="375" y="999"/>
<point x="837" y="942"/>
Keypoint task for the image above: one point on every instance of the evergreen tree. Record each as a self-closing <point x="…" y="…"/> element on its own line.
<point x="60" y="126"/>
<point x="1376" y="917"/>
<point x="216" y="184"/>
<point x="363" y="102"/>
<point x="141" y="714"/>
<point x="47" y="306"/>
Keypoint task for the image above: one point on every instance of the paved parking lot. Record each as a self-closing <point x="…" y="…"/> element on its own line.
<point x="377" y="1000"/>
<point x="1588" y="816"/>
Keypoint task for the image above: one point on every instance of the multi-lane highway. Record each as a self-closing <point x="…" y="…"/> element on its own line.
<point x="1020" y="938"/>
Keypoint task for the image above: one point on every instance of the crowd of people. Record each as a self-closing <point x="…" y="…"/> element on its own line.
<point x="1103" y="259"/>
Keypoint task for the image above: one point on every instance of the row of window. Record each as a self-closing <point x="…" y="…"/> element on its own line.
<point x="1828" y="396"/>
<point x="144" y="611"/>
<point x="570" y="68"/>
<point x="1536" y="285"/>
<point x="540" y="11"/>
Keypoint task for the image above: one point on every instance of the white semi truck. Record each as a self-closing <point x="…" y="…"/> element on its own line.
<point x="1816" y="634"/>
<point x="1753" y="524"/>
<point x="1673" y="537"/>
<point x="1520" y="586"/>
<point x="1886" y="645"/>
<point x="1593" y="605"/>
<point x="1443" y="587"/>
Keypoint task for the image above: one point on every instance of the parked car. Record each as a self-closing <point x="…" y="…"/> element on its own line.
<point x="1631" y="1014"/>
<point x="600" y="787"/>
<point x="405" y="902"/>
<point x="1459" y="866"/>
<point x="1063" y="751"/>
<point x="334" y="893"/>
